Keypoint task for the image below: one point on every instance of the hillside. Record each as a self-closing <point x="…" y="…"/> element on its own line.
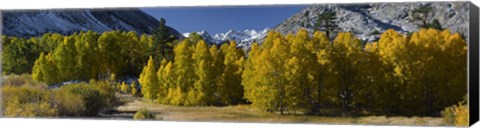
<point x="365" y="19"/>
<point x="37" y="22"/>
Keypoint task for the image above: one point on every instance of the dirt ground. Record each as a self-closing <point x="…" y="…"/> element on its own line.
<point x="245" y="113"/>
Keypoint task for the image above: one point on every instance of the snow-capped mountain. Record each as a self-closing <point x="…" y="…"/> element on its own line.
<point x="37" y="22"/>
<point x="206" y="36"/>
<point x="243" y="38"/>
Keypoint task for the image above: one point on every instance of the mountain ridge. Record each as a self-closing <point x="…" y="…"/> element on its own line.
<point x="365" y="19"/>
<point x="38" y="22"/>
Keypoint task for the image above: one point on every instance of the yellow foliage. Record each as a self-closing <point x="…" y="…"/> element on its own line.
<point x="124" y="87"/>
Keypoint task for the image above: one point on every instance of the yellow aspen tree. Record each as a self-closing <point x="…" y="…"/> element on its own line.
<point x="184" y="71"/>
<point x="149" y="81"/>
<point x="218" y="58"/>
<point x="65" y="59"/>
<point x="162" y="86"/>
<point x="249" y="73"/>
<point x="204" y="84"/>
<point x="231" y="89"/>
<point x="298" y="76"/>
<point x="346" y="49"/>
<point x="44" y="69"/>
<point x="168" y="79"/>
<point x="320" y="46"/>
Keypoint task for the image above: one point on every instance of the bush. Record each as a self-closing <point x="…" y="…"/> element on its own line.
<point x="68" y="103"/>
<point x="95" y="96"/>
<point x="134" y="89"/>
<point x="457" y="114"/>
<point x="124" y="87"/>
<point x="22" y="80"/>
<point x="143" y="114"/>
<point x="24" y="97"/>
<point x="26" y="101"/>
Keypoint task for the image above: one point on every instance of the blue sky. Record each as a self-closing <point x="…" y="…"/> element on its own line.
<point x="219" y="19"/>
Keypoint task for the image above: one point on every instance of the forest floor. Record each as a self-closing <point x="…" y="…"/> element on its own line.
<point x="245" y="113"/>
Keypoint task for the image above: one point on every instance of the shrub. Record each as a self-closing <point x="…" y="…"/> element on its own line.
<point x="24" y="97"/>
<point x="26" y="101"/>
<point x="134" y="89"/>
<point x="124" y="87"/>
<point x="143" y="114"/>
<point x="456" y="114"/>
<point x="94" y="96"/>
<point x="22" y="80"/>
<point x="68" y="103"/>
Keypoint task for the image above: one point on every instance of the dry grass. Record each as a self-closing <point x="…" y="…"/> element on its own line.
<point x="245" y="113"/>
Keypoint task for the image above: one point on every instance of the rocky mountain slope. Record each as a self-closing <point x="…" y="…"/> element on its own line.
<point x="364" y="19"/>
<point x="37" y="22"/>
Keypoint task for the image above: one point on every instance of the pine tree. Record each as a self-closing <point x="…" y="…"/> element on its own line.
<point x="326" y="22"/>
<point x="163" y="41"/>
<point x="422" y="14"/>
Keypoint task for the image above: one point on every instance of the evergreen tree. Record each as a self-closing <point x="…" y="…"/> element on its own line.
<point x="326" y="22"/>
<point x="163" y="41"/>
<point x="424" y="14"/>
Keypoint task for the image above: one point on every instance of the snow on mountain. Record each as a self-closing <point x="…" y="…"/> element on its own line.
<point x="365" y="20"/>
<point x="37" y="22"/>
<point x="243" y="38"/>
<point x="248" y="35"/>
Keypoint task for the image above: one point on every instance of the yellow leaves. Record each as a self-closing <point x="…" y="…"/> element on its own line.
<point x="461" y="115"/>
<point x="321" y="39"/>
<point x="124" y="87"/>
<point x="371" y="47"/>
<point x="134" y="90"/>
<point x="149" y="80"/>
<point x="322" y="57"/>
